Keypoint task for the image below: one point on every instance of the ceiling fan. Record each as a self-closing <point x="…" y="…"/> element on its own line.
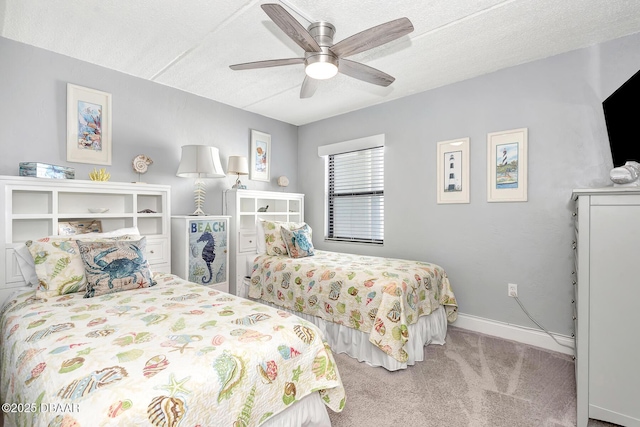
<point x="323" y="59"/>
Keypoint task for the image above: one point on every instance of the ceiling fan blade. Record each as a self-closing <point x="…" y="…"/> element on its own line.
<point x="373" y="37"/>
<point x="309" y="87"/>
<point x="267" y="64"/>
<point x="365" y="73"/>
<point x="291" y="27"/>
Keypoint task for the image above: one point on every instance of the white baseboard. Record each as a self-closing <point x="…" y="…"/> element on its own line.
<point x="514" y="332"/>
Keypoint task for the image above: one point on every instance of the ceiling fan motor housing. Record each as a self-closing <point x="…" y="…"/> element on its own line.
<point x="322" y="32"/>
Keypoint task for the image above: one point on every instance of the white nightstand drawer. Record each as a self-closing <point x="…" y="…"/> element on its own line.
<point x="247" y="242"/>
<point x="157" y="250"/>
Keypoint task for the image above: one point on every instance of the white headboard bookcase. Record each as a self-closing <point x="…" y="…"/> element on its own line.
<point x="246" y="207"/>
<point x="35" y="207"/>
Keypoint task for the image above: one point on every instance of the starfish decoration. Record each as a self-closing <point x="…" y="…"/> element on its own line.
<point x="174" y="387"/>
<point x="296" y="373"/>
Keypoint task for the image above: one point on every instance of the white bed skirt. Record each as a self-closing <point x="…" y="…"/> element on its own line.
<point x="310" y="411"/>
<point x="431" y="329"/>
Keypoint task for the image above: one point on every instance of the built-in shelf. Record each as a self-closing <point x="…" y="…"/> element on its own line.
<point x="35" y="207"/>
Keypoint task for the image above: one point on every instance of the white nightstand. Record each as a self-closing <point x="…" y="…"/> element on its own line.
<point x="199" y="250"/>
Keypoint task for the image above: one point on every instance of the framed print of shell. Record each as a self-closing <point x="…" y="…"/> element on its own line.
<point x="260" y="156"/>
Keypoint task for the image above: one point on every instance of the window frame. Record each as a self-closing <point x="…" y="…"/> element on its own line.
<point x="332" y="196"/>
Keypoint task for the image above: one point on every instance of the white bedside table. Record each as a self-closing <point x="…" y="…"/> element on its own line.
<point x="199" y="249"/>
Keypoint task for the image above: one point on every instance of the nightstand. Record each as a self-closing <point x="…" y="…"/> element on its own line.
<point x="199" y="250"/>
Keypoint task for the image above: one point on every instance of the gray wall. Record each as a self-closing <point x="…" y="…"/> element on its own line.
<point x="483" y="246"/>
<point x="148" y="118"/>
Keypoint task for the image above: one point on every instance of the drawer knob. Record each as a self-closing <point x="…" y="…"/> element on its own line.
<point x="574" y="283"/>
<point x="573" y="357"/>
<point x="573" y="272"/>
<point x="573" y="301"/>
<point x="574" y="214"/>
<point x="574" y="317"/>
<point x="152" y="251"/>
<point x="573" y="335"/>
<point x="250" y="241"/>
<point x="573" y="246"/>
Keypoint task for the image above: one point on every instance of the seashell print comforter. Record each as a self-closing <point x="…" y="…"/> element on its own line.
<point x="378" y="296"/>
<point x="176" y="354"/>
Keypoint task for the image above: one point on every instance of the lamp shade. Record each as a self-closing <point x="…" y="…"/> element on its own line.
<point x="238" y="165"/>
<point x="200" y="161"/>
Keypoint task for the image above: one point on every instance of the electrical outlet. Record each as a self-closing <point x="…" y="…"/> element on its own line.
<point x="512" y="290"/>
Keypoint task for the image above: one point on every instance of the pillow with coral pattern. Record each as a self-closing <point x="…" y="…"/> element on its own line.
<point x="298" y="241"/>
<point x="115" y="266"/>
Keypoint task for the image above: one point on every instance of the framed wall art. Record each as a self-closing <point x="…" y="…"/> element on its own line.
<point x="88" y="125"/>
<point x="453" y="171"/>
<point x="507" y="166"/>
<point x="260" y="155"/>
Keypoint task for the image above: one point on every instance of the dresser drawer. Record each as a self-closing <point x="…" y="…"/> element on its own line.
<point x="247" y="242"/>
<point x="157" y="251"/>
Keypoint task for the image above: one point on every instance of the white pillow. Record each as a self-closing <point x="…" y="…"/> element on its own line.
<point x="261" y="245"/>
<point x="28" y="267"/>
<point x="115" y="233"/>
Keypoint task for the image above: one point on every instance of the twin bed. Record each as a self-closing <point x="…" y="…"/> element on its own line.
<point x="381" y="311"/>
<point x="176" y="353"/>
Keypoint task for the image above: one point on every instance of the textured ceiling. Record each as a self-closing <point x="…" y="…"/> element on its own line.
<point x="189" y="44"/>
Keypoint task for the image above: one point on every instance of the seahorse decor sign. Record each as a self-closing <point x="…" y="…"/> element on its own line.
<point x="208" y="247"/>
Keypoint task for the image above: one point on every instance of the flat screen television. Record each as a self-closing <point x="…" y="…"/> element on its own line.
<point x="622" y="115"/>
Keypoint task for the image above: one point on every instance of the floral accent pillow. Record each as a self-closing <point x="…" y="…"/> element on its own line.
<point x="58" y="264"/>
<point x="115" y="266"/>
<point x="298" y="241"/>
<point x="273" y="238"/>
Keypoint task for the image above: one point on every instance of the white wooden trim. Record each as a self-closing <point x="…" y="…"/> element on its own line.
<point x="514" y="332"/>
<point x="351" y="145"/>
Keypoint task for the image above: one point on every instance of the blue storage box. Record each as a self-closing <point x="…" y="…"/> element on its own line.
<point x="45" y="170"/>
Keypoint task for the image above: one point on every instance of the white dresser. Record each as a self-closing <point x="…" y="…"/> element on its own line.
<point x="245" y="208"/>
<point x="607" y="304"/>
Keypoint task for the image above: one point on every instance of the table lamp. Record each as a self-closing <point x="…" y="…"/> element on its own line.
<point x="239" y="166"/>
<point x="200" y="161"/>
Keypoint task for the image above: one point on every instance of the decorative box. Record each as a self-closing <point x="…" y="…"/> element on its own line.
<point x="45" y="170"/>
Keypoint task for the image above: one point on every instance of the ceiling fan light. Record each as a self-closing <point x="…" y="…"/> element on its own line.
<point x="321" y="70"/>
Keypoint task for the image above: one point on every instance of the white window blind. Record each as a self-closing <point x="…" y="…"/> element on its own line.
<point x="356" y="196"/>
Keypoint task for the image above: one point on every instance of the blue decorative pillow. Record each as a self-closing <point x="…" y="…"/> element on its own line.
<point x="115" y="266"/>
<point x="298" y="241"/>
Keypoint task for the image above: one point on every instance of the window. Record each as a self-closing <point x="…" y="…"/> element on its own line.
<point x="356" y="196"/>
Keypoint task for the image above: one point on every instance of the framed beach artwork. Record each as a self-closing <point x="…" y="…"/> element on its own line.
<point x="507" y="166"/>
<point x="260" y="155"/>
<point x="453" y="171"/>
<point x="88" y="125"/>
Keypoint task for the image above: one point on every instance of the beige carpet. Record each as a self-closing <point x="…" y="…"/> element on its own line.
<point x="473" y="380"/>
